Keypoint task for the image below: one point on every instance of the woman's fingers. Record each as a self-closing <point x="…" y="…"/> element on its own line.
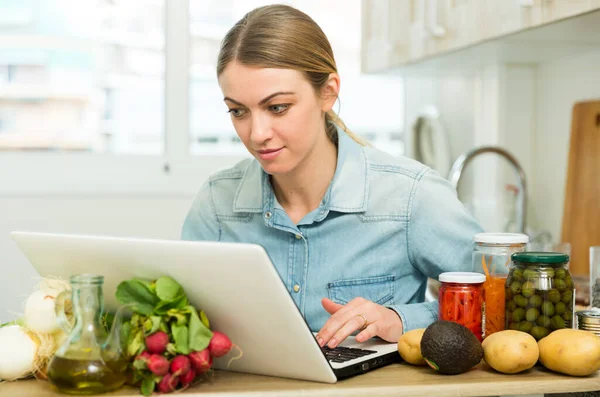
<point x="353" y="324"/>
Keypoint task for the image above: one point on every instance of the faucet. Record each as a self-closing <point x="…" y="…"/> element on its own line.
<point x="461" y="162"/>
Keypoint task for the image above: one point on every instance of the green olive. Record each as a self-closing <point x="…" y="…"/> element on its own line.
<point x="560" y="308"/>
<point x="560" y="273"/>
<point x="508" y="295"/>
<point x="528" y="289"/>
<point x="543" y="321"/>
<point x="566" y="297"/>
<point x="558" y="322"/>
<point x="517" y="274"/>
<point x="548" y="272"/>
<point x="514" y="326"/>
<point x="560" y="284"/>
<point x="568" y="316"/>
<point x="515" y="287"/>
<point x="532" y="314"/>
<point x="569" y="281"/>
<point x="548" y="309"/>
<point x="518" y="315"/>
<point x="536" y="301"/>
<point x="539" y="332"/>
<point x="512" y="305"/>
<point x="520" y="300"/>
<point x="530" y="274"/>
<point x="525" y="326"/>
<point x="553" y="296"/>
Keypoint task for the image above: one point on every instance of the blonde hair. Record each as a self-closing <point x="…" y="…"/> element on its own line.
<point x="280" y="36"/>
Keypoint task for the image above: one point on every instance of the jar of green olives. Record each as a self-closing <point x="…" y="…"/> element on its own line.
<point x="539" y="293"/>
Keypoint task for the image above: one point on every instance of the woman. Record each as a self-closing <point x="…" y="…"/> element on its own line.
<point x="353" y="232"/>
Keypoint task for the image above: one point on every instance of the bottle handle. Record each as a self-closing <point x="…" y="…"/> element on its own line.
<point x="59" y="309"/>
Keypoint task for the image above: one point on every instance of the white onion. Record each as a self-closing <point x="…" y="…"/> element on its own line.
<point x="39" y="314"/>
<point x="18" y="353"/>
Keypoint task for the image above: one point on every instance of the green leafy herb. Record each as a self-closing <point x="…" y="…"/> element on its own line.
<point x="151" y="325"/>
<point x="136" y="344"/>
<point x="168" y="290"/>
<point x="140" y="365"/>
<point x="204" y="319"/>
<point x="148" y="386"/>
<point x="199" y="334"/>
<point x="163" y="307"/>
<point x="137" y="293"/>
<point x="180" y="335"/>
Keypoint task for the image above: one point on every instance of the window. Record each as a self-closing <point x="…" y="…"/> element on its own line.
<point x="371" y="106"/>
<point x="111" y="97"/>
<point x="85" y="75"/>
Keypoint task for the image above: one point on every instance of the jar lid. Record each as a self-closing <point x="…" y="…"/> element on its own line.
<point x="462" y="277"/>
<point x="540" y="257"/>
<point x="501" y="238"/>
<point x="591" y="317"/>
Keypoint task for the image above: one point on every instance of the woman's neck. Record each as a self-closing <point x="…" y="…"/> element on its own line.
<point x="302" y="191"/>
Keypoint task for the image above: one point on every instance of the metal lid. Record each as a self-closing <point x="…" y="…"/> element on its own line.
<point x="540" y="257"/>
<point x="501" y="238"/>
<point x="589" y="317"/>
<point x="462" y="277"/>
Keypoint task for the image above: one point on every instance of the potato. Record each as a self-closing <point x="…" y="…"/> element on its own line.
<point x="510" y="351"/>
<point x="409" y="346"/>
<point x="571" y="351"/>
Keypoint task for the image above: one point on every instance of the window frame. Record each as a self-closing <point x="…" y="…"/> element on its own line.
<point x="175" y="172"/>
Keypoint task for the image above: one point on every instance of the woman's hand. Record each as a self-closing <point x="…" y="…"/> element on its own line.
<point x="358" y="314"/>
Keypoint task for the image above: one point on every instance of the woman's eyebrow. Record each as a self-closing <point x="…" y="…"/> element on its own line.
<point x="262" y="101"/>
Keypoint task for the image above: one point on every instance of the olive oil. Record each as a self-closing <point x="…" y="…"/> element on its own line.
<point x="77" y="376"/>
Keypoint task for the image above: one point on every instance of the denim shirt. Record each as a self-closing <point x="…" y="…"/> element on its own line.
<point x="384" y="225"/>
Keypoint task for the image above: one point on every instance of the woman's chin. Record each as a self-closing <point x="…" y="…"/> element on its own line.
<point x="275" y="168"/>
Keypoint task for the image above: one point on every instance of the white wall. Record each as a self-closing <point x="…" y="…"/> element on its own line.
<point x="525" y="108"/>
<point x="136" y="216"/>
<point x="559" y="86"/>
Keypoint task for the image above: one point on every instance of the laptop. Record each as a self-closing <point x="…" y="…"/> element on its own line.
<point x="236" y="285"/>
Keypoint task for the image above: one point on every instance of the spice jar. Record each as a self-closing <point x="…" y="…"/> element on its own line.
<point x="589" y="320"/>
<point x="491" y="257"/>
<point x="539" y="293"/>
<point x="461" y="300"/>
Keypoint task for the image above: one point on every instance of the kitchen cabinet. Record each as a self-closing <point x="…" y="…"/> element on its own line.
<point x="400" y="32"/>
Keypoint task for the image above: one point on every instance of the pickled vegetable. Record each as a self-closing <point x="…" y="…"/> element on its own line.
<point x="539" y="298"/>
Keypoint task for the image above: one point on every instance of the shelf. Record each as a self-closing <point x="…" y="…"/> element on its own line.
<point x="568" y="37"/>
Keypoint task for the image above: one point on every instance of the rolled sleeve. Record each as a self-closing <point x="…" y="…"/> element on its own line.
<point x="416" y="315"/>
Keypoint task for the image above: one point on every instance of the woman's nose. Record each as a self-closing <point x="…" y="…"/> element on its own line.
<point x="261" y="130"/>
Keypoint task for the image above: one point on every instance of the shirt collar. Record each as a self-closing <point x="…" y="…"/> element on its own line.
<point x="348" y="192"/>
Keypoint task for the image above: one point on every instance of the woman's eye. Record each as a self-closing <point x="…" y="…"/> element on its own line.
<point x="236" y="112"/>
<point x="278" y="109"/>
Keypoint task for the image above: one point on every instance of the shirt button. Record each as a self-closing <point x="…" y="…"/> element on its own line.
<point x="298" y="236"/>
<point x="268" y="215"/>
<point x="296" y="288"/>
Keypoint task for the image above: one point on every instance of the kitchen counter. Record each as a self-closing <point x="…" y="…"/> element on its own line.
<point x="393" y="380"/>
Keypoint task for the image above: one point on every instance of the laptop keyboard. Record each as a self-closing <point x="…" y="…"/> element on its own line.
<point x="342" y="354"/>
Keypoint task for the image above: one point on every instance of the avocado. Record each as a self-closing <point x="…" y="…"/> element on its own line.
<point x="450" y="348"/>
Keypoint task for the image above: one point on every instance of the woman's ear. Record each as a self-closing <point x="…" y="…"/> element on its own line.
<point x="330" y="92"/>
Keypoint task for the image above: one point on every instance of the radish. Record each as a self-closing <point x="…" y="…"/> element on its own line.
<point x="145" y="355"/>
<point x="219" y="345"/>
<point x="158" y="365"/>
<point x="180" y="365"/>
<point x="201" y="360"/>
<point x="188" y="378"/>
<point x="168" y="383"/>
<point x="157" y="342"/>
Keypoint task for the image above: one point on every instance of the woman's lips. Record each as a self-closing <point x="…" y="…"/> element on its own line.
<point x="269" y="154"/>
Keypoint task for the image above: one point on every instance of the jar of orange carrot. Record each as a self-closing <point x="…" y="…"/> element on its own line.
<point x="491" y="257"/>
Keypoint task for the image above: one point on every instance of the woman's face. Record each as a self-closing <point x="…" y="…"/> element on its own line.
<point x="276" y="113"/>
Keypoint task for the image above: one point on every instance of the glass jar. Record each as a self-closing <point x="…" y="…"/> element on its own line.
<point x="461" y="300"/>
<point x="491" y="257"/>
<point x="540" y="294"/>
<point x="595" y="277"/>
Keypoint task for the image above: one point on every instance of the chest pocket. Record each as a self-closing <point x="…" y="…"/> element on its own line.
<point x="378" y="289"/>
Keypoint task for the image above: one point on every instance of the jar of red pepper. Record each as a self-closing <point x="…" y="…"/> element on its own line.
<point x="461" y="300"/>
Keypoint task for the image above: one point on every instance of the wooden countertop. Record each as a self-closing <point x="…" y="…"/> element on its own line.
<point x="393" y="380"/>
